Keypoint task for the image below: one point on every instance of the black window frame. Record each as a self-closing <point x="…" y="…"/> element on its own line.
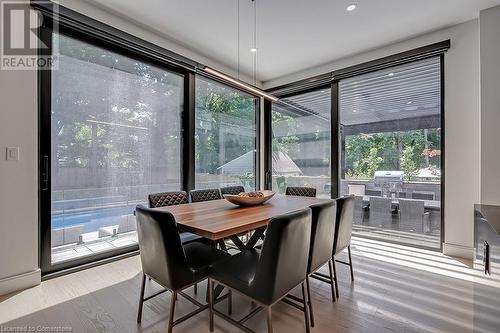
<point x="258" y="115"/>
<point x="93" y="32"/>
<point x="332" y="79"/>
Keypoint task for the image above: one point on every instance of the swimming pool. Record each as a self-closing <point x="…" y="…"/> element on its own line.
<point x="93" y="218"/>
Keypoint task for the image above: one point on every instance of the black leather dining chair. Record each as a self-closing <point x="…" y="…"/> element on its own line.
<point x="301" y="191"/>
<point x="168" y="262"/>
<point x="342" y="238"/>
<point x="165" y="199"/>
<point x="234" y="190"/>
<point x="343" y="232"/>
<point x="320" y="253"/>
<point x="205" y="195"/>
<point x="267" y="276"/>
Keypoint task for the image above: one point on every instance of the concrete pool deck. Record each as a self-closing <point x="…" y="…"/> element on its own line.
<point x="92" y="244"/>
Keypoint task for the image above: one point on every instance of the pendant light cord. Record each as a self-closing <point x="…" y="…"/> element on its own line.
<point x="255" y="42"/>
<point x="238" y="38"/>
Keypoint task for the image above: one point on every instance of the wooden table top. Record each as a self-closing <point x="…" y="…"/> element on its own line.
<point x="218" y="219"/>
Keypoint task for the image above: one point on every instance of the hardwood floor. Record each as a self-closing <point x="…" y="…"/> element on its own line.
<point x="397" y="289"/>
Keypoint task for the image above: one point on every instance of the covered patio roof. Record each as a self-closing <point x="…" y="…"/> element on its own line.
<point x="401" y="98"/>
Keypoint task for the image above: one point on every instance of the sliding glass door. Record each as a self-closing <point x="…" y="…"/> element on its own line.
<point x="390" y="144"/>
<point x="117" y="125"/>
<point x="301" y="142"/>
<point x="225" y="136"/>
<point x="115" y="132"/>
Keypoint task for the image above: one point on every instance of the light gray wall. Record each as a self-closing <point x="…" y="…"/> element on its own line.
<point x="18" y="181"/>
<point x="462" y="123"/>
<point x="490" y="105"/>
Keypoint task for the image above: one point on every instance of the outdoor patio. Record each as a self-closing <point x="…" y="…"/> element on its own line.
<point x="92" y="244"/>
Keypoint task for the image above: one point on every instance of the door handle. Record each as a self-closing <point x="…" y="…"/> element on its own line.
<point x="45" y="173"/>
<point x="268" y="182"/>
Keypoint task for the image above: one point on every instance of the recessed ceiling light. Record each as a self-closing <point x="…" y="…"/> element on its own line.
<point x="351" y="7"/>
<point x="354" y="110"/>
<point x="409" y="102"/>
<point x="322" y="91"/>
<point x="253" y="49"/>
<point x="390" y="74"/>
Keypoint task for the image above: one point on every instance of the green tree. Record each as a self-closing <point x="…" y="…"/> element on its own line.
<point x="219" y="109"/>
<point x="408" y="164"/>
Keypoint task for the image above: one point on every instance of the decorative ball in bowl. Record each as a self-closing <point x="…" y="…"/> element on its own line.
<point x="249" y="198"/>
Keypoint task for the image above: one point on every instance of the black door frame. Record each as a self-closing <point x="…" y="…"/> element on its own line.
<point x="85" y="29"/>
<point x="317" y="82"/>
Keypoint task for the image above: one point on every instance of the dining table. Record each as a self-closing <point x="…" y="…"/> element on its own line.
<point x="219" y="220"/>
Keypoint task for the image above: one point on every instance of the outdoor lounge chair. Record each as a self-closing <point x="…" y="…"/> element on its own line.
<point x="412" y="216"/>
<point x="381" y="212"/>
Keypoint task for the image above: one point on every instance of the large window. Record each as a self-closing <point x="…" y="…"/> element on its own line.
<point x="301" y="142"/>
<point x="390" y="126"/>
<point x="225" y="136"/>
<point x="115" y="137"/>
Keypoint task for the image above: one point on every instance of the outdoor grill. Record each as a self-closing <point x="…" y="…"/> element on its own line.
<point x="389" y="181"/>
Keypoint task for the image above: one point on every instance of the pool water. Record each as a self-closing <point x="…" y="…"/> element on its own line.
<point x="93" y="218"/>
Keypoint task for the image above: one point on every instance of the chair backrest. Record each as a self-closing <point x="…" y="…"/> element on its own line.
<point x="359" y="212"/>
<point x="167" y="199"/>
<point x="205" y="195"/>
<point x="423" y="195"/>
<point x="411" y="215"/>
<point x="343" y="227"/>
<point x="301" y="191"/>
<point x="322" y="232"/>
<point x="380" y="206"/>
<point x="283" y="261"/>
<point x="162" y="254"/>
<point x="375" y="193"/>
<point x="411" y="209"/>
<point x="234" y="190"/>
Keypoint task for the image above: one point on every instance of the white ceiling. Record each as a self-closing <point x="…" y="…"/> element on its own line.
<point x="292" y="35"/>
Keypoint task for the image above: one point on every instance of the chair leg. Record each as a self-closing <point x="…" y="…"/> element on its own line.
<point x="210" y="288"/>
<point x="335" y="278"/>
<point x="306" y="313"/>
<point x="196" y="288"/>
<point x="141" y="298"/>
<point x="269" y="320"/>
<point x="350" y="262"/>
<point x="332" y="280"/>
<point x="172" y="311"/>
<point x="311" y="314"/>
<point x="230" y="302"/>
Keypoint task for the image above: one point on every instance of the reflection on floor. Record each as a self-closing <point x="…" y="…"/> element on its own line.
<point x="421" y="240"/>
<point x="397" y="289"/>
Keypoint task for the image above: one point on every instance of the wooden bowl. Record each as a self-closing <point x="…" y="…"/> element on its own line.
<point x="249" y="201"/>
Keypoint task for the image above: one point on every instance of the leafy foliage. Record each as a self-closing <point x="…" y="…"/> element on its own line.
<point x="226" y="113"/>
<point x="408" y="151"/>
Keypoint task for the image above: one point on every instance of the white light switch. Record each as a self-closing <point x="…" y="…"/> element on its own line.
<point x="12" y="153"/>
